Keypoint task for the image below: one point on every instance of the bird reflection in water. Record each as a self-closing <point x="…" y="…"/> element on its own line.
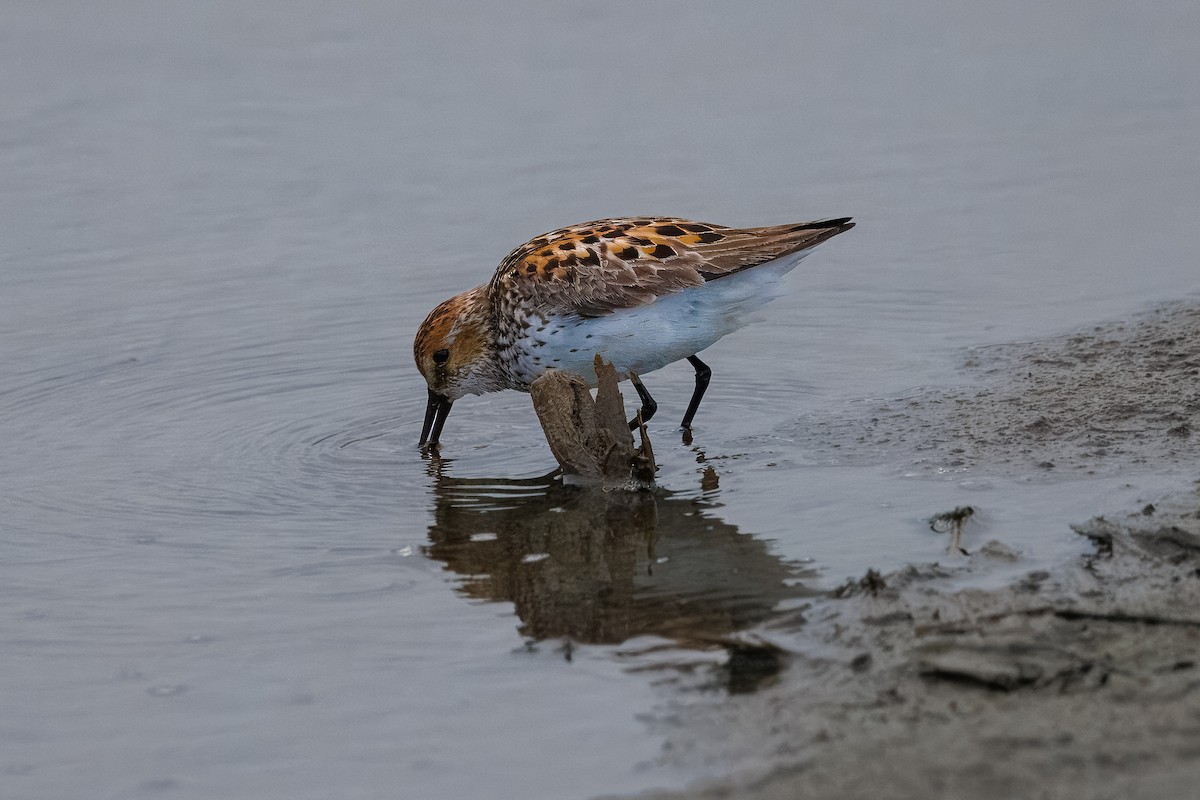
<point x="601" y="568"/>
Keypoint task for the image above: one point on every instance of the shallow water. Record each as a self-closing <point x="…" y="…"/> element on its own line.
<point x="226" y="570"/>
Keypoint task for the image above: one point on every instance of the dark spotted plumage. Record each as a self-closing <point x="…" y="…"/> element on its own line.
<point x="596" y="278"/>
<point x="629" y="262"/>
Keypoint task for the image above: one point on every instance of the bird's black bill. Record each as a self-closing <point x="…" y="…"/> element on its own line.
<point x="435" y="417"/>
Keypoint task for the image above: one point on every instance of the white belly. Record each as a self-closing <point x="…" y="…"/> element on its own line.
<point x="649" y="337"/>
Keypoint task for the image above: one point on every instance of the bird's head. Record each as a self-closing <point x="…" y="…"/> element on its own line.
<point x="453" y="351"/>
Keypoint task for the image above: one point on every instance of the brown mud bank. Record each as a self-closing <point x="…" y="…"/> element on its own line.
<point x="1078" y="681"/>
<point x="1118" y="396"/>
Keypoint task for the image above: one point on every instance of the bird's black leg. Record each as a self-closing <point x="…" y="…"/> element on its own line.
<point x="648" y="404"/>
<point x="703" y="373"/>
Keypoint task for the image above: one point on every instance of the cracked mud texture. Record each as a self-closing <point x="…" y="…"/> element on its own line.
<point x="1079" y="681"/>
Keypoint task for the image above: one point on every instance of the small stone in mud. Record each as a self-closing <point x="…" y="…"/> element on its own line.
<point x="999" y="551"/>
<point x="861" y="662"/>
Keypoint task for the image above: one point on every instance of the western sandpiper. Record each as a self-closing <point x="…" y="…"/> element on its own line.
<point x="642" y="292"/>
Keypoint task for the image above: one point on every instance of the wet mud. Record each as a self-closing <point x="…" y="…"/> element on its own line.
<point x="1110" y="398"/>
<point x="1082" y="680"/>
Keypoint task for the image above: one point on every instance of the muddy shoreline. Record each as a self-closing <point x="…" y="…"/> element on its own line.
<point x="1081" y="680"/>
<point x="1114" y="397"/>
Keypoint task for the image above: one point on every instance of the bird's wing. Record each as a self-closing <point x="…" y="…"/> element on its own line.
<point x="595" y="268"/>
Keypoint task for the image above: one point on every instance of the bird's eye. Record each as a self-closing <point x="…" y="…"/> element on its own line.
<point x="441" y="356"/>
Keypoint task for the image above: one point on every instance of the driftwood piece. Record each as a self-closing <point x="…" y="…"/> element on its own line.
<point x="590" y="438"/>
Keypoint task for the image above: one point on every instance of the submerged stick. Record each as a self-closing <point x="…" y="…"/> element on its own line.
<point x="953" y="521"/>
<point x="590" y="438"/>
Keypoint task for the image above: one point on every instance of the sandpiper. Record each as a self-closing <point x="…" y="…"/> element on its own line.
<point x="642" y="292"/>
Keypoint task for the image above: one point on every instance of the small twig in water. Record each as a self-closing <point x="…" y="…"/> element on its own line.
<point x="952" y="522"/>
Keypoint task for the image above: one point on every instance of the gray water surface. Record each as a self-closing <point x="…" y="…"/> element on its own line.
<point x="226" y="570"/>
